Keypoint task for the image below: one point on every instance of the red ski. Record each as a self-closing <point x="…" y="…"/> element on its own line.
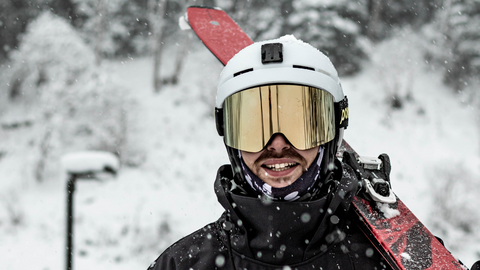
<point x="406" y="240"/>
<point x="403" y="241"/>
<point x="396" y="232"/>
<point x="222" y="36"/>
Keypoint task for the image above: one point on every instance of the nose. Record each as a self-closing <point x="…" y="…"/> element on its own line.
<point x="278" y="143"/>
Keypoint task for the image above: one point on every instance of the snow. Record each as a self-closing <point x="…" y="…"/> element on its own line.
<point x="387" y="211"/>
<point x="126" y="223"/>
<point x="89" y="161"/>
<point x="406" y="256"/>
<point x="183" y="22"/>
<point x="289" y="39"/>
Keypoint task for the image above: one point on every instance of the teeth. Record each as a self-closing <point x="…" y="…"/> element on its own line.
<point x="280" y="167"/>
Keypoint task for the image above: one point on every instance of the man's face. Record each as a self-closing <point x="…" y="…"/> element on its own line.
<point x="279" y="164"/>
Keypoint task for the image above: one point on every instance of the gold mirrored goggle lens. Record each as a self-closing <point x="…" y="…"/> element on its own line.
<point x="304" y="115"/>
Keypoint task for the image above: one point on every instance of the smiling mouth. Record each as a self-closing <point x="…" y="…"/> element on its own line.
<point x="280" y="166"/>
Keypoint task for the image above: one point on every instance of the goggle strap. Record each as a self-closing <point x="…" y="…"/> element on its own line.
<point x="219" y="121"/>
<point x="341" y="113"/>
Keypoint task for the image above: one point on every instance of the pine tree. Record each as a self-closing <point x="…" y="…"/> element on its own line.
<point x="465" y="42"/>
<point x="333" y="28"/>
<point x="103" y="28"/>
<point x="455" y="35"/>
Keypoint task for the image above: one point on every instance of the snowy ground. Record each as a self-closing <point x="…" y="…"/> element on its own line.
<point x="125" y="222"/>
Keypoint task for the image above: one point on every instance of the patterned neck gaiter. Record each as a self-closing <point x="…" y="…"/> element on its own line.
<point x="291" y="192"/>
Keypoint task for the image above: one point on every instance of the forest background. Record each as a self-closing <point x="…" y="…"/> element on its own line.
<point x="59" y="67"/>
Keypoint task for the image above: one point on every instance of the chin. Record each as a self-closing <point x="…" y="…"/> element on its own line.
<point x="282" y="185"/>
<point x="280" y="182"/>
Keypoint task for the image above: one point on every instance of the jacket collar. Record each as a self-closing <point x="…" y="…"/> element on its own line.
<point x="283" y="232"/>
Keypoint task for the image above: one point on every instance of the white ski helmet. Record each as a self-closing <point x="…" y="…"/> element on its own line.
<point x="299" y="59"/>
<point x="286" y="61"/>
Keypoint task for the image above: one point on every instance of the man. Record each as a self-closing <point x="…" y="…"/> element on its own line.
<point x="282" y="112"/>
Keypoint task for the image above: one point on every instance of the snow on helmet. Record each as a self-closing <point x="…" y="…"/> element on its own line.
<point x="283" y="61"/>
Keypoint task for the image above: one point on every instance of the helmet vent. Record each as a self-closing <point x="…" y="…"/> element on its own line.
<point x="303" y="67"/>
<point x="242" y="72"/>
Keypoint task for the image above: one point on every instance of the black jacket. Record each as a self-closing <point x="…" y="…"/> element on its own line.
<point x="254" y="234"/>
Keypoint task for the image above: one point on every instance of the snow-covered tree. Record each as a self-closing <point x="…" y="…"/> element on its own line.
<point x="79" y="105"/>
<point x="384" y="15"/>
<point x="103" y="28"/>
<point x="15" y="16"/>
<point x="465" y="38"/>
<point x="51" y="53"/>
<point x="455" y="36"/>
<point x="331" y="27"/>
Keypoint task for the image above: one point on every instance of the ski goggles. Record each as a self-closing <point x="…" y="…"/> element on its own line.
<point x="304" y="115"/>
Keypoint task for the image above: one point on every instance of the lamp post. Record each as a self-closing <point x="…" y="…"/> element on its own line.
<point x="88" y="165"/>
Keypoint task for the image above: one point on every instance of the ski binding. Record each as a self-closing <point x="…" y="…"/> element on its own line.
<point x="378" y="188"/>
